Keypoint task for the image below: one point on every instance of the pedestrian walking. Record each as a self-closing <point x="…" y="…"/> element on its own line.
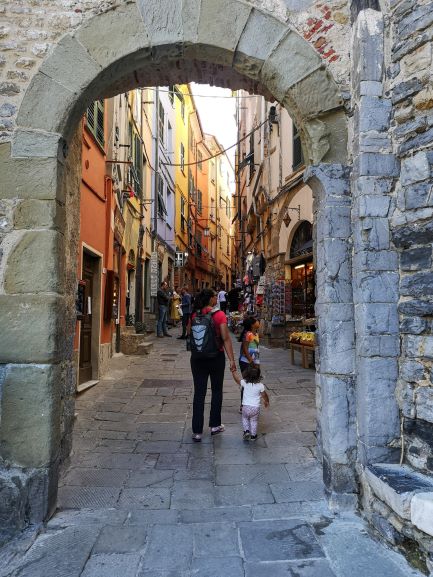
<point x="175" y="310"/>
<point x="253" y="394"/>
<point x="208" y="338"/>
<point x="186" y="306"/>
<point x="163" y="299"/>
<point x="222" y="299"/>
<point x="250" y="350"/>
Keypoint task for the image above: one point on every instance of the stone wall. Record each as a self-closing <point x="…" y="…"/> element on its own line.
<point x="410" y="82"/>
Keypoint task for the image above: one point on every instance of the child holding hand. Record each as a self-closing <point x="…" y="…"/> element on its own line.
<point x="253" y="393"/>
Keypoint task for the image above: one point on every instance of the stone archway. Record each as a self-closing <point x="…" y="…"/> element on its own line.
<point x="110" y="53"/>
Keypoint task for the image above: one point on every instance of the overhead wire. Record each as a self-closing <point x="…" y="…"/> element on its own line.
<point x="220" y="152"/>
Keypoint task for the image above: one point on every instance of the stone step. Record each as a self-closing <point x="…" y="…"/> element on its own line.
<point x="406" y="491"/>
<point x="129" y="341"/>
<point x="144" y="348"/>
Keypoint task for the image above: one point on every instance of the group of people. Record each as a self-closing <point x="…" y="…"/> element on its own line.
<point x="208" y="324"/>
<point x="174" y="306"/>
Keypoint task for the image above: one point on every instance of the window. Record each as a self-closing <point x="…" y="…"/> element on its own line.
<point x="182" y="214"/>
<point x="137" y="166"/>
<point x="199" y="160"/>
<point x="198" y="243"/>
<point x="162" y="211"/>
<point x="199" y="201"/>
<point x="182" y="157"/>
<point x="182" y="109"/>
<point x="251" y="156"/>
<point x="212" y="214"/>
<point x="228" y="206"/>
<point x="228" y="243"/>
<point x="95" y="120"/>
<point x="219" y="231"/>
<point x="161" y="123"/>
<point x="298" y="157"/>
<point x="171" y="94"/>
<point x="191" y="186"/>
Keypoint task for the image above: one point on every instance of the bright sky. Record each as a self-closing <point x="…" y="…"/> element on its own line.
<point x="217" y="115"/>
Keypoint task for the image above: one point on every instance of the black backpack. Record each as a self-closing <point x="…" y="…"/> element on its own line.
<point x="203" y="341"/>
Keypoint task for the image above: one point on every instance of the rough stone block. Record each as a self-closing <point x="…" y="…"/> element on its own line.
<point x="374" y="142"/>
<point x="47" y="105"/>
<point x="372" y="234"/>
<point x="162" y="20"/>
<point x="334" y="222"/>
<point x="31" y="395"/>
<point x="372" y="185"/>
<point x="370" y="88"/>
<point x="260" y="36"/>
<point x="406" y="89"/>
<point x="418" y="346"/>
<point x="190" y="20"/>
<point x="32" y="143"/>
<point x="30" y="331"/>
<point x="71" y="65"/>
<point x="104" y="38"/>
<point x="396" y="485"/>
<point x="376" y="319"/>
<point x="373" y="114"/>
<point x="419" y="195"/>
<point x="221" y="24"/>
<point x="317" y="92"/>
<point x="376" y="288"/>
<point x="337" y="343"/>
<point x="412" y="234"/>
<point x="417" y="285"/>
<point x="279" y="74"/>
<point x="368" y="47"/>
<point x="417" y="142"/>
<point x="27" y="272"/>
<point x="414" y="325"/>
<point x="411" y="371"/>
<point x="27" y="178"/>
<point x="415" y="169"/>
<point x="370" y="260"/>
<point x="416" y="307"/>
<point x="30" y="214"/>
<point x="421" y="512"/>
<point x="378" y="346"/>
<point x="338" y="417"/>
<point x="416" y="258"/>
<point x="372" y="164"/>
<point x="424" y="403"/>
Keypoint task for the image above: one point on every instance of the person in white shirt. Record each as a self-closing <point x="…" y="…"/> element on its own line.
<point x="254" y="393"/>
<point x="222" y="299"/>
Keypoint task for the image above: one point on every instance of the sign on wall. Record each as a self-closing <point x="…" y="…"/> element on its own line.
<point x="153" y="274"/>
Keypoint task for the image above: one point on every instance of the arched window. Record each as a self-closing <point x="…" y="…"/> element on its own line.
<point x="302" y="242"/>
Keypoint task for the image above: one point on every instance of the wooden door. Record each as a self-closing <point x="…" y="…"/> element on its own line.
<point x="86" y="323"/>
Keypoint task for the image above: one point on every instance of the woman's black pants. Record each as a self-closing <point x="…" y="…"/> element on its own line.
<point x="202" y="369"/>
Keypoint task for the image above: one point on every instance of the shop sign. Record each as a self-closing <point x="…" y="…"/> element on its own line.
<point x="153" y="274"/>
<point x="179" y="259"/>
<point x="119" y="225"/>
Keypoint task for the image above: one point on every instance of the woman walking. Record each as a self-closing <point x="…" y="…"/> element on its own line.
<point x="208" y="360"/>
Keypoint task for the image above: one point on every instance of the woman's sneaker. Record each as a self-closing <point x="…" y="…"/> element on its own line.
<point x="253" y="437"/>
<point x="246" y="436"/>
<point x="217" y="430"/>
<point x="196" y="438"/>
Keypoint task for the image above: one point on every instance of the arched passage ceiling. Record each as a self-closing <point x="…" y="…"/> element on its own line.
<point x="228" y="43"/>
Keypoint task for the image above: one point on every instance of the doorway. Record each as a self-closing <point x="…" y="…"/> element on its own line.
<point x="87" y="364"/>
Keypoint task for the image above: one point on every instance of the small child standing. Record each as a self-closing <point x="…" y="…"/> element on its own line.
<point x="253" y="393"/>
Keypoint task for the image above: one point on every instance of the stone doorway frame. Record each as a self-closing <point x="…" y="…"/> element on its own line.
<point x="111" y="53"/>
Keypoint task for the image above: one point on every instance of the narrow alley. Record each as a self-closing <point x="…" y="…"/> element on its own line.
<point x="140" y="499"/>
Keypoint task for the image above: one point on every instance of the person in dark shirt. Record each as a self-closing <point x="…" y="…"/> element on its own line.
<point x="163" y="298"/>
<point x="234" y="298"/>
<point x="186" y="306"/>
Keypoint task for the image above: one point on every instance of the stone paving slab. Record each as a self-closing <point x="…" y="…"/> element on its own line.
<point x="306" y="568"/>
<point x="279" y="541"/>
<point x="115" y="539"/>
<point x="148" y="502"/>
<point x="112" y="565"/>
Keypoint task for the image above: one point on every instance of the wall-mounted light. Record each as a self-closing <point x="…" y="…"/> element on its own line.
<point x="300" y="266"/>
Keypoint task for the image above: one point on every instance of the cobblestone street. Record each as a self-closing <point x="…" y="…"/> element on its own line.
<point x="139" y="499"/>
